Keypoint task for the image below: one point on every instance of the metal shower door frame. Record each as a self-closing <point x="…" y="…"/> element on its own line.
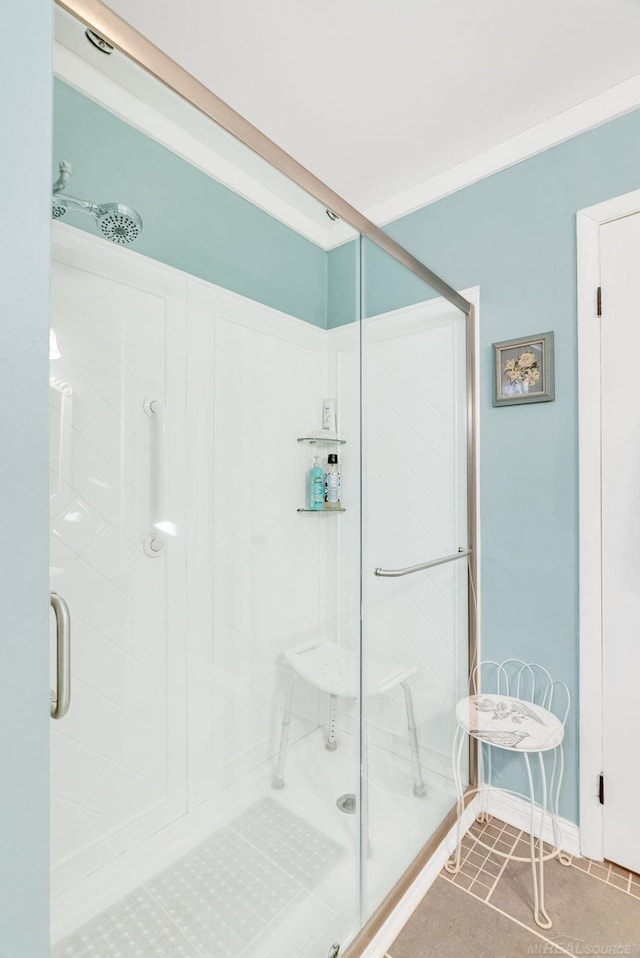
<point x="120" y="34"/>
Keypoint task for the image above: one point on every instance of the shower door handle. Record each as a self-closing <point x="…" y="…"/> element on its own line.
<point x="61" y="696"/>
<point x="394" y="573"/>
<point x="156" y="541"/>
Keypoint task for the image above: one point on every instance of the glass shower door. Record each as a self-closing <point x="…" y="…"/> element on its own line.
<point x="118" y="756"/>
<point x="415" y="625"/>
<point x="211" y="731"/>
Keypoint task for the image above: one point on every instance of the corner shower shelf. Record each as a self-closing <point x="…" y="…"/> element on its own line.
<point x="323" y="512"/>
<point x="321" y="439"/>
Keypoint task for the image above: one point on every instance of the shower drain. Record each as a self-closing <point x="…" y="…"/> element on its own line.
<point x="347" y="803"/>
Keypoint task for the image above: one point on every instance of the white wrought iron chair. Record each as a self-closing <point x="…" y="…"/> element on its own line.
<point x="517" y="707"/>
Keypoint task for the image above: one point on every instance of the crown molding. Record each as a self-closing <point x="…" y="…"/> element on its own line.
<point x="615" y="102"/>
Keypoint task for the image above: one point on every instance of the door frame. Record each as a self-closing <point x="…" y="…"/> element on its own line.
<point x="591" y="726"/>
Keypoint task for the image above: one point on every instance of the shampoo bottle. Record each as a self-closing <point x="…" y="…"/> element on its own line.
<point x="316" y="485"/>
<point x="332" y="484"/>
<point x="329" y="418"/>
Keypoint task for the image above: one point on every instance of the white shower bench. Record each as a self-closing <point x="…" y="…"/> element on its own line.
<point x="336" y="670"/>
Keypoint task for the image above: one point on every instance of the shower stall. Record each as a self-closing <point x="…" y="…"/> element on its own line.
<point x="252" y="699"/>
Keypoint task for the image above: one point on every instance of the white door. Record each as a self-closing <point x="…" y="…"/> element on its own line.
<point x="620" y="326"/>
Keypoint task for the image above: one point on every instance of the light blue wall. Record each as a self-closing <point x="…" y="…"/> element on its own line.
<point x="25" y="116"/>
<point x="514" y="235"/>
<point x="190" y="221"/>
<point x="342" y="284"/>
<point x="386" y="283"/>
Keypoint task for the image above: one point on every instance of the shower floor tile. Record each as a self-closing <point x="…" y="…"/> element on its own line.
<point x="220" y="897"/>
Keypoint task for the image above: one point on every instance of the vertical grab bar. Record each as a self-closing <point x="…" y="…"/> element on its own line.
<point x="156" y="541"/>
<point x="61" y="696"/>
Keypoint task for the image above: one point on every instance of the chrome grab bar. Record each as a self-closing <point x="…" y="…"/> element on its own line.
<point x="156" y="541"/>
<point x="393" y="573"/>
<point x="61" y="697"/>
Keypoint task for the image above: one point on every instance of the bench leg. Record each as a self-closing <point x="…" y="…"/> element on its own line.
<point x="419" y="788"/>
<point x="331" y="744"/>
<point x="277" y="780"/>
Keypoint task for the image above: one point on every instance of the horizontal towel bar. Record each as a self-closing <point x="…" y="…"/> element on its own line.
<point x="393" y="573"/>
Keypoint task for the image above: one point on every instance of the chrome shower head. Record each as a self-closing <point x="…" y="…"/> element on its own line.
<point x="118" y="223"/>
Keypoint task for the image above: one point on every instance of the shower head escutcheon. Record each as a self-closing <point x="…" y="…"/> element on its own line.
<point x="118" y="223"/>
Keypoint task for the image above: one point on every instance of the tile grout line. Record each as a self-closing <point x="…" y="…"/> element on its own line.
<point x="506" y="862"/>
<point x="496" y="839"/>
<point x="463" y="861"/>
<point x="558" y="948"/>
<point x="592" y="874"/>
<point x="481" y="834"/>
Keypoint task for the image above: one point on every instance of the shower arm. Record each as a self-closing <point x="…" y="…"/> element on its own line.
<point x="73" y="203"/>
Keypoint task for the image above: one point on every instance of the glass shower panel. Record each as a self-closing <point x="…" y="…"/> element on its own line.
<point x="275" y="643"/>
<point x="215" y="630"/>
<point x="415" y="630"/>
<point x="117" y="554"/>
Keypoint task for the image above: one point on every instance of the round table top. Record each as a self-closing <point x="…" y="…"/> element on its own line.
<point x="509" y="723"/>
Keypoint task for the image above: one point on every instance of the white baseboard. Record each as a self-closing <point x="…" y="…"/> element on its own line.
<point x="516" y="811"/>
<point x="401" y="914"/>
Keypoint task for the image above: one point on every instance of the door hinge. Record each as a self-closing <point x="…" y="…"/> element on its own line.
<point x="601" y="790"/>
<point x="599" y="301"/>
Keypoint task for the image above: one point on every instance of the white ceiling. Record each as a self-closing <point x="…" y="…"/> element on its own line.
<point x="376" y="98"/>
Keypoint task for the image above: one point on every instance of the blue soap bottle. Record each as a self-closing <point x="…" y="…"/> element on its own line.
<point x="316" y="486"/>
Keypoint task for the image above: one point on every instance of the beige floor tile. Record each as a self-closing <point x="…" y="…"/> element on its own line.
<point x="512" y="830"/>
<point x="619" y="881"/>
<point x="502" y="846"/>
<point x="582" y="908"/>
<point x="450" y="923"/>
<point x="493" y="866"/>
<point x="463" y="880"/>
<point x="474" y="858"/>
<point x="599" y="871"/>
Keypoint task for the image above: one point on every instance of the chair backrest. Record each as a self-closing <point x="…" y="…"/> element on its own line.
<point x="527" y="681"/>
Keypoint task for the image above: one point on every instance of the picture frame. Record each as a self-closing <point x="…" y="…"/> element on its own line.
<point x="523" y="370"/>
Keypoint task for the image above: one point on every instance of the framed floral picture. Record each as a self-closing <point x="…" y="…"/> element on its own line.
<point x="523" y="370"/>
